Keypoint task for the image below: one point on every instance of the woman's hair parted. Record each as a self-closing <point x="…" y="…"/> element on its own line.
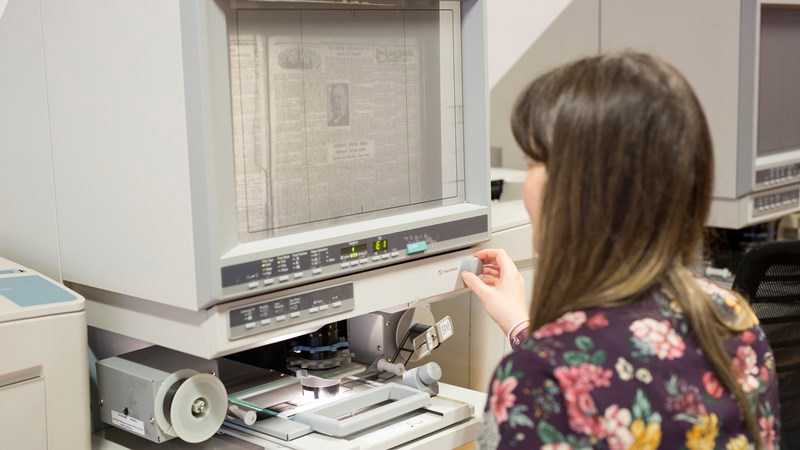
<point x="629" y="161"/>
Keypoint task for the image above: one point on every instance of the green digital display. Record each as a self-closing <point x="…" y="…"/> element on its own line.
<point x="379" y="245"/>
<point x="353" y="250"/>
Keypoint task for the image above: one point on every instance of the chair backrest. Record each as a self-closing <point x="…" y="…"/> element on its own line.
<point x="769" y="277"/>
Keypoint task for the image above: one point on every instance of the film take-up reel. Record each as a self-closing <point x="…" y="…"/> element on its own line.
<point x="190" y="405"/>
<point x="160" y="394"/>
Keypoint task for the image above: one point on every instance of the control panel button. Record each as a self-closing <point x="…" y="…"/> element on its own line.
<point x="294" y="315"/>
<point x="363" y="261"/>
<point x="283" y="278"/>
<point x="395" y="254"/>
<point x="376" y="258"/>
<point x="250" y="325"/>
<point x="416" y="247"/>
<point x="336" y="304"/>
<point x="269" y="281"/>
<point x="316" y="271"/>
<point x="266" y="321"/>
<point x="252" y="285"/>
<point x="280" y="318"/>
<point x="344" y="265"/>
<point x="323" y="307"/>
<point x="353" y="263"/>
<point x="385" y="256"/>
<point x="298" y="275"/>
<point x="313" y="310"/>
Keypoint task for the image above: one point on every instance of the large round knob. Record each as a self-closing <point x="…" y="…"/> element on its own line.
<point x="430" y="373"/>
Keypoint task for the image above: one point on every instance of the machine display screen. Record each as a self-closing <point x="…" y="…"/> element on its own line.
<point x="778" y="95"/>
<point x="379" y="245"/>
<point x="353" y="249"/>
<point x="343" y="115"/>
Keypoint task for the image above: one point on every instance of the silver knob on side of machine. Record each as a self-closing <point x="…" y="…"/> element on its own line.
<point x="468" y="264"/>
<point x="471" y="264"/>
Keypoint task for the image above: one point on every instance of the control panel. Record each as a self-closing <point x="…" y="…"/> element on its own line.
<point x="777" y="176"/>
<point x="282" y="271"/>
<point x="776" y="202"/>
<point x="290" y="310"/>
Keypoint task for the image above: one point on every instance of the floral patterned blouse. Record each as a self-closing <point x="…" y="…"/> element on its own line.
<point x="633" y="377"/>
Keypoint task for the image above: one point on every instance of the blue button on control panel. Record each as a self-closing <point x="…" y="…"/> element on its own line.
<point x="416" y="247"/>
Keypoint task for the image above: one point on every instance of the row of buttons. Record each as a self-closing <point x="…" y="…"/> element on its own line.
<point x="293" y="315"/>
<point x="411" y="248"/>
<point x="282" y="278"/>
<point x="782" y="180"/>
<point x="363" y="261"/>
<point x="776" y="176"/>
<point x="776" y="205"/>
<point x="318" y="271"/>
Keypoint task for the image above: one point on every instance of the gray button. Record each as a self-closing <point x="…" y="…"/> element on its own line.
<point x="283" y="278"/>
<point x="266" y="321"/>
<point x="353" y="263"/>
<point x="313" y="310"/>
<point x="323" y="307"/>
<point x="252" y="285"/>
<point x="280" y="318"/>
<point x="364" y="261"/>
<point x="336" y="304"/>
<point x="376" y="258"/>
<point x="298" y="275"/>
<point x="316" y="271"/>
<point x="269" y="281"/>
<point x="250" y="325"/>
<point x="294" y="315"/>
<point x="344" y="265"/>
<point x="395" y="254"/>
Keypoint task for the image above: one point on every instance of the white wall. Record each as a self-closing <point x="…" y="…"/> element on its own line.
<point x="562" y="31"/>
<point x="512" y="27"/>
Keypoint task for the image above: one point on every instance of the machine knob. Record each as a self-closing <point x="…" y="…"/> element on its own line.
<point x="471" y="264"/>
<point x="430" y="373"/>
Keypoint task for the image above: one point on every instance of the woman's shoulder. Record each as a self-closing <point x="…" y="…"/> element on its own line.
<point x="651" y="327"/>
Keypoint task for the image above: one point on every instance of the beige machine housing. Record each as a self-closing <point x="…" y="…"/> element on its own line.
<point x="44" y="377"/>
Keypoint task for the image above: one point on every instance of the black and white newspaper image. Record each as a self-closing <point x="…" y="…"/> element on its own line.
<point x="323" y="131"/>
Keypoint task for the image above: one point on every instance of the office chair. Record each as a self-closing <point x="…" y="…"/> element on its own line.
<point x="769" y="277"/>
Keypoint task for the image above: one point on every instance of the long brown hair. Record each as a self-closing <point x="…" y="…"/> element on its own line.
<point x="630" y="174"/>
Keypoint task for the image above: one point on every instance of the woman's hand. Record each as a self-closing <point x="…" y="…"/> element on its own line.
<point x="501" y="289"/>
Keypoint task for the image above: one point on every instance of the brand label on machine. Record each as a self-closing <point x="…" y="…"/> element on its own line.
<point x="127" y="423"/>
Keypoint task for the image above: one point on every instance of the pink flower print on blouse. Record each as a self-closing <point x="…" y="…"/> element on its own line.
<point x="744" y="366"/>
<point x="567" y="323"/>
<point x="502" y="398"/>
<point x="556" y="446"/>
<point x="748" y="337"/>
<point x="576" y="383"/>
<point x="662" y="339"/>
<point x="617" y="427"/>
<point x="767" y="425"/>
<point x="763" y="373"/>
<point x="597" y="321"/>
<point x="711" y="383"/>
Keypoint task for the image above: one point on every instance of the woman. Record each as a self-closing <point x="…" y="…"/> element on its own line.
<point x="623" y="346"/>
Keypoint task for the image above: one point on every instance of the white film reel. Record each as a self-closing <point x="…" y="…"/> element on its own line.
<point x="191" y="405"/>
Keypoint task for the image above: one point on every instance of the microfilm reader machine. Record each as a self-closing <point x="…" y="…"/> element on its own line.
<point x="256" y="274"/>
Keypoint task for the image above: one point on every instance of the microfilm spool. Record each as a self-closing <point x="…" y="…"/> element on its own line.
<point x="198" y="408"/>
<point x="164" y="398"/>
